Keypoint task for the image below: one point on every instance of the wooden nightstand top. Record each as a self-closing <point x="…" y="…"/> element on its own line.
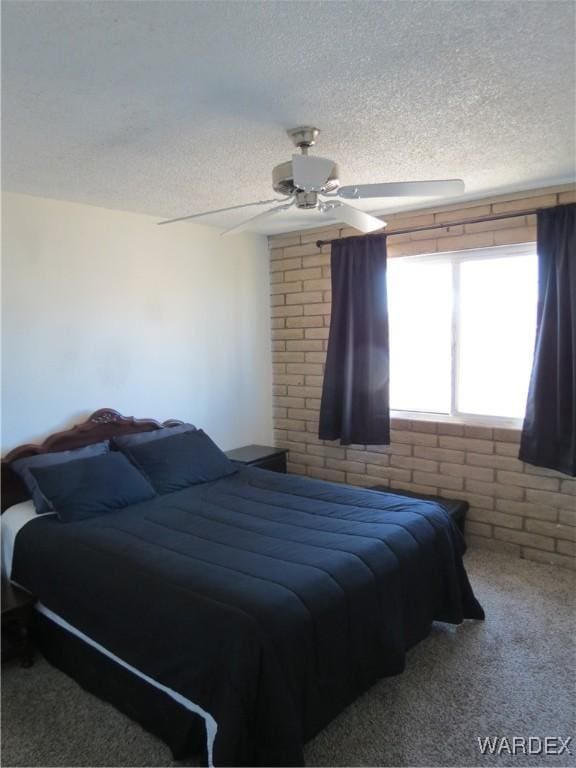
<point x="252" y="454"/>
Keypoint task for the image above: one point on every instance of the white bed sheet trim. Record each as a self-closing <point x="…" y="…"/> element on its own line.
<point x="210" y="723"/>
<point x="13" y="520"/>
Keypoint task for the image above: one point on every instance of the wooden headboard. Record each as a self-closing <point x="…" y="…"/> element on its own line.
<point x="101" y="425"/>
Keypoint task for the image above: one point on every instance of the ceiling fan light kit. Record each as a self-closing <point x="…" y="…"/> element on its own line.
<point x="311" y="182"/>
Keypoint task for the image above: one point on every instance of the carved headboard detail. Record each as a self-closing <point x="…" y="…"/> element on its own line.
<point x="101" y="425"/>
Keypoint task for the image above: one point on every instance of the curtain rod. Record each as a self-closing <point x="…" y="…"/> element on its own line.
<point x="445" y="225"/>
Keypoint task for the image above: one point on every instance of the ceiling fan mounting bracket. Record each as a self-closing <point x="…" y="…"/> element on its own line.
<point x="303" y="137"/>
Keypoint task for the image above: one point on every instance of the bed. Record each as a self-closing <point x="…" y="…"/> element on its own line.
<point x="236" y="617"/>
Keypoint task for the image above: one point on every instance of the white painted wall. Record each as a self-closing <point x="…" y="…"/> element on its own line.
<point x="104" y="308"/>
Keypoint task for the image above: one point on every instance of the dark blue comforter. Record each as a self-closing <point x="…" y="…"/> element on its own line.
<point x="270" y="600"/>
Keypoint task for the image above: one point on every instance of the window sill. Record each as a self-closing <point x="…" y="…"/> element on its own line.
<point x="464" y="419"/>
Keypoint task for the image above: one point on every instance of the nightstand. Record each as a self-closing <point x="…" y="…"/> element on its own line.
<point x="262" y="456"/>
<point x="17" y="611"/>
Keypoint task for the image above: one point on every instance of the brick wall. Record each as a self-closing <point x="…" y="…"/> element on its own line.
<point x="519" y="509"/>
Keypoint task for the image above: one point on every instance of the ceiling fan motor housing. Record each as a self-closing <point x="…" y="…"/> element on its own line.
<point x="283" y="179"/>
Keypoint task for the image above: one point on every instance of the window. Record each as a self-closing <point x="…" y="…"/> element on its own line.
<point x="462" y="329"/>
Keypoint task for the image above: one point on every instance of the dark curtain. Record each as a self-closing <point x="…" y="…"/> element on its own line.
<point x="549" y="432"/>
<point x="355" y="395"/>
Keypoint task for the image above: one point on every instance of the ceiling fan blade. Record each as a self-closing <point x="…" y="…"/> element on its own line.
<point x="403" y="189"/>
<point x="310" y="172"/>
<point x="219" y="210"/>
<point x="352" y="216"/>
<point x="259" y="217"/>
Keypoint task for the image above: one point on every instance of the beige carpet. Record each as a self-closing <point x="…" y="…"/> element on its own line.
<point x="513" y="675"/>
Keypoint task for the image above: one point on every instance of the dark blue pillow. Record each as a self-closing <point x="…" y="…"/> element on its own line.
<point x="177" y="462"/>
<point x="89" y="487"/>
<point x="22" y="468"/>
<point x="135" y="438"/>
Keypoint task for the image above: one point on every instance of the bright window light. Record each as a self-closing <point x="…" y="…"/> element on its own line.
<point x="462" y="329"/>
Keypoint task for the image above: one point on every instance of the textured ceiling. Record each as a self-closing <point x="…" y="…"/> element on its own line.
<point x="169" y="108"/>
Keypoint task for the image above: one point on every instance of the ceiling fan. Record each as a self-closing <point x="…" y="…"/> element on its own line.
<point x="308" y="181"/>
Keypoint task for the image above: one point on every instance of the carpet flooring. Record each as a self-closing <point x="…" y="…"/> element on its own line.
<point x="512" y="675"/>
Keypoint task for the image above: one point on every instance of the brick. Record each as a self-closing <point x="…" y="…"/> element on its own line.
<point x="289" y="424"/>
<point x="328" y="451"/>
<point x="465" y="470"/>
<point x="277" y="300"/>
<point x="320" y="284"/>
<point x="466" y="444"/>
<point x="307" y="459"/>
<point x="392" y="473"/>
<point x="483" y="226"/>
<point x="412" y="438"/>
<point x="307" y="273"/>
<point x="289" y="402"/>
<point x="331" y="475"/>
<point x="398" y="449"/>
<point x="292" y="251"/>
<point x="288" y="333"/>
<point x="303" y="322"/>
<point x="280" y="241"/>
<point x="319" y="260"/>
<point x="440" y="454"/>
<point x="317" y="333"/>
<point x="455" y="430"/>
<point x="410" y="462"/>
<point x="517" y="235"/>
<point x="308" y="369"/>
<point x="494" y="518"/>
<point x="304" y="345"/>
<point x="482" y="433"/>
<point x="438" y="479"/>
<point x="492" y="489"/>
<point x="566" y="548"/>
<point x="567" y="197"/>
<point x="364" y="481"/>
<point x="524" y="539"/>
<point x="279" y="412"/>
<point x="506" y="449"/>
<point x="525" y="509"/>
<point x="278" y="346"/>
<point x="286" y="288"/>
<point x="429" y="427"/>
<point x="279" y="389"/>
<point x="277" y="322"/>
<point x="549" y="498"/>
<point x="527" y="481"/>
<point x="279" y="265"/>
<point x="507" y="435"/>
<point x="314" y="381"/>
<point x="569" y="487"/>
<point x="554" y="530"/>
<point x="316" y="357"/>
<point x="549" y="558"/>
<point x="396" y="423"/>
<point x="302" y="436"/>
<point x="477" y="240"/>
<point x="478" y="529"/>
<point x="346" y="466"/>
<point x="458" y="214"/>
<point x="407" y="221"/>
<point x="288" y="357"/>
<point x="303" y="413"/>
<point x="523" y="204"/>
<point x="286" y="311"/>
<point x="410" y="248"/>
<point x="318" y="309"/>
<point x="289" y="379"/>
<point x="305" y="297"/>
<point x="369" y="457"/>
<point x="276" y="253"/>
<point x="495" y="461"/>
<point x="313" y="403"/>
<point x="305" y="391"/>
<point x="567" y="516"/>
